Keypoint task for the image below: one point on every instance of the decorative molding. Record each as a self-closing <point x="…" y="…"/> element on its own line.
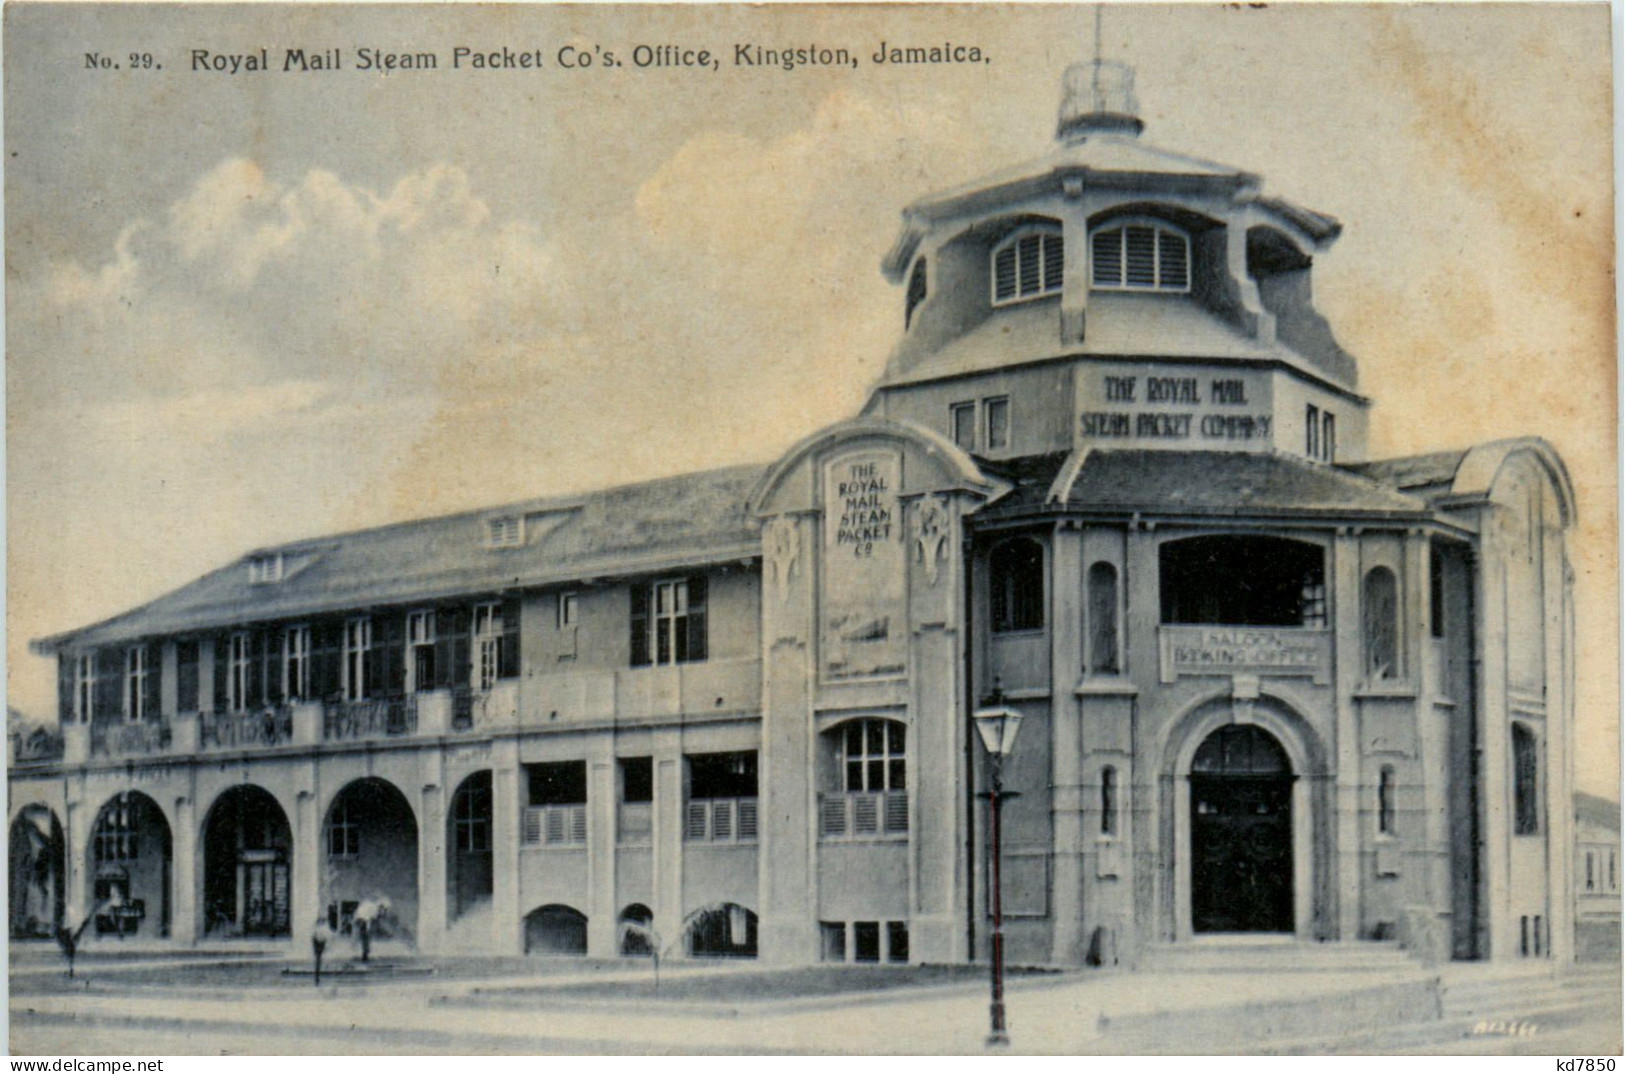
<point x="782" y="539"/>
<point x="931" y="522"/>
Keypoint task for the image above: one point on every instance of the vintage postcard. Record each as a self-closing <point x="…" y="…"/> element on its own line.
<point x="801" y="529"/>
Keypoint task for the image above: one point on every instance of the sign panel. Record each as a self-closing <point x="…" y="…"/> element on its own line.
<point x="1174" y="406"/>
<point x="863" y="612"/>
<point x="1243" y="650"/>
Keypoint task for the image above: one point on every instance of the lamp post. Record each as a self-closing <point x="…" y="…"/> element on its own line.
<point x="997" y="723"/>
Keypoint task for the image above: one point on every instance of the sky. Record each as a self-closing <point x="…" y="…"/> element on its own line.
<point x="244" y="309"/>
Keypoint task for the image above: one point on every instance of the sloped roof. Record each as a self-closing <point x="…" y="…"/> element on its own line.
<point x="1596" y="810"/>
<point x="1119" y="326"/>
<point x="1413" y="471"/>
<point x="656" y="525"/>
<point x="1213" y="483"/>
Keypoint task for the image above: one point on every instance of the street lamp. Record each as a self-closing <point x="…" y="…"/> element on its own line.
<point x="997" y="723"/>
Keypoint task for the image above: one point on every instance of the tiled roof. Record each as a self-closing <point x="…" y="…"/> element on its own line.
<point x="1413" y="471"/>
<point x="656" y="525"/>
<point x="1215" y="483"/>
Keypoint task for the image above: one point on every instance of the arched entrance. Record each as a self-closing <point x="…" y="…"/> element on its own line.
<point x="129" y="868"/>
<point x="247" y="865"/>
<point x="36" y="857"/>
<point x="1241" y="833"/>
<point x="370" y="851"/>
<point x="556" y="930"/>
<point x="469" y="872"/>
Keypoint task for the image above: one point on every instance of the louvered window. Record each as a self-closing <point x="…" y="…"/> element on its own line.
<point x="1027" y="265"/>
<point x="1140" y="257"/>
<point x="874" y="777"/>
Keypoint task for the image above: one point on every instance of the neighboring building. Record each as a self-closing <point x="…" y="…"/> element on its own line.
<point x="1114" y="474"/>
<point x="1596" y="879"/>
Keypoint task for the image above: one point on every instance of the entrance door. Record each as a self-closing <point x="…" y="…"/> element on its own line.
<point x="1241" y="833"/>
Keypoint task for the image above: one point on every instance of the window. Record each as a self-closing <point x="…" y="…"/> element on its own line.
<point x="505" y="532"/>
<point x="135" y="683"/>
<point x="296" y="663"/>
<point x="897" y="941"/>
<point x="1242" y="581"/>
<point x="1436" y="591"/>
<point x="186" y="676"/>
<point x="1016" y="584"/>
<point x="1108" y="801"/>
<point x="870" y="941"/>
<point x="118" y="830"/>
<point x="962" y="416"/>
<point x="238" y="669"/>
<point x="265" y="568"/>
<point x="1380" y="615"/>
<point x="357" y="659"/>
<point x="981" y="426"/>
<point x="872" y="756"/>
<point x="85" y="696"/>
<point x="1311" y="426"/>
<point x="637" y="779"/>
<point x="832" y="941"/>
<point x="916" y="292"/>
<point x="721" y="797"/>
<point x="1591" y="870"/>
<point x="1027" y="265"/>
<point x="558" y="804"/>
<point x="568" y="606"/>
<point x="1328" y="437"/>
<point x="471" y="815"/>
<point x="487" y="645"/>
<point x="865" y="941"/>
<point x="420" y="651"/>
<point x="343" y="833"/>
<point x="725" y="931"/>
<point x="1385" y="801"/>
<point x="1525" y="782"/>
<point x="668" y="622"/>
<point x="1613" y="883"/>
<point x="1140" y="257"/>
<point x="1102" y="625"/>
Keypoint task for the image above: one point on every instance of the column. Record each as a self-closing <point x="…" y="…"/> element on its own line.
<point x="431" y="927"/>
<point x="667" y="849"/>
<point x="1066" y="748"/>
<point x="308" y="856"/>
<point x="1495" y="779"/>
<point x="1345" y="796"/>
<point x="183" y="924"/>
<point x="602" y="941"/>
<point x="507" y="928"/>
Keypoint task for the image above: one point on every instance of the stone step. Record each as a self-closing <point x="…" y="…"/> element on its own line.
<point x="1287" y="956"/>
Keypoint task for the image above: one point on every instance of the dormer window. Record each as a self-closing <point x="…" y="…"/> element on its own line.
<point x="505" y="532"/>
<point x="265" y="568"/>
<point x="1140" y="257"/>
<point x="1027" y="265"/>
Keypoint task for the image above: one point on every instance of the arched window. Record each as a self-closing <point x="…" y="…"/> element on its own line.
<point x="1385" y="800"/>
<point x="1026" y="265"/>
<point x="637" y="930"/>
<point x="1525" y="782"/>
<point x="1102" y="605"/>
<point x="916" y="292"/>
<point x="722" y="930"/>
<point x="1380" y="620"/>
<point x="1140" y="257"/>
<point x="1108" y="801"/>
<point x="1016" y="583"/>
<point x="555" y="929"/>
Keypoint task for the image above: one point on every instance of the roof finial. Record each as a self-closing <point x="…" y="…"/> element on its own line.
<point x="1098" y="97"/>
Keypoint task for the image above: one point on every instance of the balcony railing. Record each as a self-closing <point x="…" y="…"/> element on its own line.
<point x="863" y="814"/>
<point x="383" y="717"/>
<point x="128" y="739"/>
<point x="41" y="744"/>
<point x="720" y="820"/>
<point x="244" y="730"/>
<point x="556" y="825"/>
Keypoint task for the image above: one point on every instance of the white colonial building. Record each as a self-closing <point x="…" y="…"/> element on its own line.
<point x="1114" y="474"/>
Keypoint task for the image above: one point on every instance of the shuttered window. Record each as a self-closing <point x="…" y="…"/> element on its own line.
<point x="1140" y="257"/>
<point x="1027" y="265"/>
<point x="669" y="622"/>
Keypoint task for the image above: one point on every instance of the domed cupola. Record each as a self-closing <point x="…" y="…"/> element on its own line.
<point x="1097" y="98"/>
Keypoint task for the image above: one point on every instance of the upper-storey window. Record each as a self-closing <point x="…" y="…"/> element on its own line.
<point x="1140" y="257"/>
<point x="505" y="532"/>
<point x="669" y="621"/>
<point x="85" y="698"/>
<point x="266" y="567"/>
<point x="916" y="292"/>
<point x="1016" y="585"/>
<point x="1026" y="265"/>
<point x="137" y="684"/>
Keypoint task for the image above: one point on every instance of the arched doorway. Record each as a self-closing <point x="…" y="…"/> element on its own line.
<point x="468" y="846"/>
<point x="556" y="930"/>
<point x="1241" y="833"/>
<point x="36" y="858"/>
<point x="370" y="852"/>
<point x="129" y="868"/>
<point x="247" y="865"/>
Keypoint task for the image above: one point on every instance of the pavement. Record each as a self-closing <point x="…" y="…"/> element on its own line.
<point x="1077" y="1012"/>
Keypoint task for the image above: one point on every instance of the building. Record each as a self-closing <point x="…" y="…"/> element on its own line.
<point x="1114" y="475"/>
<point x="1596" y="879"/>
